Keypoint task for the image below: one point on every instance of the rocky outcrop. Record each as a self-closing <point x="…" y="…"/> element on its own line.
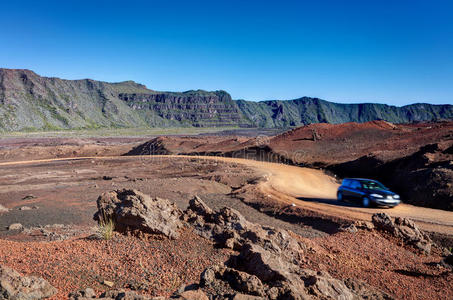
<point x="133" y="211"/>
<point x="404" y="229"/>
<point x="89" y="294"/>
<point x="191" y="295"/>
<point x="153" y="147"/>
<point x="14" y="286"/>
<point x="268" y="262"/>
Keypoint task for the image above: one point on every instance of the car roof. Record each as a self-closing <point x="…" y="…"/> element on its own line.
<point x="362" y="179"/>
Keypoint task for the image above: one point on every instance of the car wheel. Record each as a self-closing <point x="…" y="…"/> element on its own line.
<point x="366" y="202"/>
<point x="340" y="196"/>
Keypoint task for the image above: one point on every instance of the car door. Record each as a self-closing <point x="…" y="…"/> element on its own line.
<point x="356" y="190"/>
<point x="346" y="189"/>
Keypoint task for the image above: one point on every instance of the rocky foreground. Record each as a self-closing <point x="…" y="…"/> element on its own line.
<point x="245" y="260"/>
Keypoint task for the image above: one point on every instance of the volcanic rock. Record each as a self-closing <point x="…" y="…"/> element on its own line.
<point x="267" y="266"/>
<point x="229" y="229"/>
<point x="364" y="225"/>
<point x="365" y="291"/>
<point x="87" y="293"/>
<point x="246" y="297"/>
<point x="404" y="229"/>
<point x="131" y="295"/>
<point x="133" y="211"/>
<point x="349" y="228"/>
<point x="18" y="287"/>
<point x="192" y="295"/>
<point x="15" y="226"/>
<point x="109" y="295"/>
<point x="268" y="262"/>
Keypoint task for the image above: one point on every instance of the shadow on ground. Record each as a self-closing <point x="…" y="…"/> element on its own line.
<point x="330" y="201"/>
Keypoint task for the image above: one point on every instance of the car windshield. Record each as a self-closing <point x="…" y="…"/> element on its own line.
<point x="373" y="185"/>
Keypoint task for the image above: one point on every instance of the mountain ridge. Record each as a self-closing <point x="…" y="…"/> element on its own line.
<point x="29" y="101"/>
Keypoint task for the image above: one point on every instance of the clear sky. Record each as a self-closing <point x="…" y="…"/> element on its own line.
<point x="395" y="52"/>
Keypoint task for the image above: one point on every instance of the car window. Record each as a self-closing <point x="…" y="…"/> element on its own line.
<point x="373" y="185"/>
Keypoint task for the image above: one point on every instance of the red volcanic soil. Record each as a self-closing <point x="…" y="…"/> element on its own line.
<point x="336" y="143"/>
<point x="156" y="267"/>
<point x="380" y="261"/>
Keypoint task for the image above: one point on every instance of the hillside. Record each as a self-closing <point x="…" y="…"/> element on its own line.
<point x="31" y="102"/>
<point x="303" y="111"/>
<point x="413" y="159"/>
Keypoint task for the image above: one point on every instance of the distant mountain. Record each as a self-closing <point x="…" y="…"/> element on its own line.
<point x="303" y="111"/>
<point x="31" y="102"/>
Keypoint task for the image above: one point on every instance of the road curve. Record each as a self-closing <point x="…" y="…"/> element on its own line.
<point x="308" y="188"/>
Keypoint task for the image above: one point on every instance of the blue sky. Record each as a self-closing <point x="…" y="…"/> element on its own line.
<point x="394" y="52"/>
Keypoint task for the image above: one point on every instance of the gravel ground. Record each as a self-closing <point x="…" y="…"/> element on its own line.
<point x="157" y="267"/>
<point x="56" y="188"/>
<point x="381" y="262"/>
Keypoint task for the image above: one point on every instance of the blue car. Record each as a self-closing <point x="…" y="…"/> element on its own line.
<point x="367" y="192"/>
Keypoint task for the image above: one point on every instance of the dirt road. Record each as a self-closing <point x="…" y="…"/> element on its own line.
<point x="308" y="188"/>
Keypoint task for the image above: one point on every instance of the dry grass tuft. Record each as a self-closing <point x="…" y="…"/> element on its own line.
<point x="106" y="228"/>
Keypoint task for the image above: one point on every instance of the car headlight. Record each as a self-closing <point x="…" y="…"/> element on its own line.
<point x="396" y="196"/>
<point x="376" y="196"/>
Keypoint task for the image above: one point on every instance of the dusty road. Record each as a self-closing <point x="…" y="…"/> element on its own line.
<point x="308" y="188"/>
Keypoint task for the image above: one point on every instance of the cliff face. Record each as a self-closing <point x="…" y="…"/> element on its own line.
<point x="29" y="102"/>
<point x="306" y="110"/>
<point x="195" y="108"/>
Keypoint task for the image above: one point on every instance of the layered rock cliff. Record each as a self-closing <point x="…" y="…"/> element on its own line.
<point x="193" y="108"/>
<point x="31" y="102"/>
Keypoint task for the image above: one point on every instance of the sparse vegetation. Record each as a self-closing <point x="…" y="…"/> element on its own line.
<point x="112" y="132"/>
<point x="106" y="228"/>
<point x="51" y="104"/>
